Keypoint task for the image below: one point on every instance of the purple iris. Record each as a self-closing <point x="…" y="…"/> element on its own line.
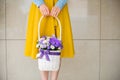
<point x="55" y="42"/>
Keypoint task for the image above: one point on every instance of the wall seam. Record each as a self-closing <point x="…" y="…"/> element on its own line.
<point x="73" y="39"/>
<point x="100" y="46"/>
<point x="6" y="45"/>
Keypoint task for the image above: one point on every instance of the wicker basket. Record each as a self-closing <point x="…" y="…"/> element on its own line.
<point x="49" y="60"/>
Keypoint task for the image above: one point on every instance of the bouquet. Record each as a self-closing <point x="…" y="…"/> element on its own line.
<point x="49" y="45"/>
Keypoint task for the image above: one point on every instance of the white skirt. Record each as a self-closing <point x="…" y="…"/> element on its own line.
<point x="52" y="65"/>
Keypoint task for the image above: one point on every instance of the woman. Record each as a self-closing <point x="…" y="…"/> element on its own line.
<point x="49" y="9"/>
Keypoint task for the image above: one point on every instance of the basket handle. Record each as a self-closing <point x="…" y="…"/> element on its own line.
<point x="58" y="23"/>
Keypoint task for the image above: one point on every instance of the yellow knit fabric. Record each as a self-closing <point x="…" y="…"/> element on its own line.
<point x="48" y="26"/>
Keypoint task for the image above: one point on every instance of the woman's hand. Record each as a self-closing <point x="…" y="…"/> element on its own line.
<point x="44" y="10"/>
<point x="55" y="11"/>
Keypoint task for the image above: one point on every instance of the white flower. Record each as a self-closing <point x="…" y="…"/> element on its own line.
<point x="48" y="44"/>
<point x="45" y="41"/>
<point x="37" y="55"/>
<point x="59" y="48"/>
<point x="52" y="47"/>
<point x="41" y="46"/>
<point x="42" y="39"/>
<point x="37" y="45"/>
<point x="48" y="39"/>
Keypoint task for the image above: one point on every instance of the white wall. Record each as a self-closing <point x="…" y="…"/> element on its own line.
<point x="96" y="32"/>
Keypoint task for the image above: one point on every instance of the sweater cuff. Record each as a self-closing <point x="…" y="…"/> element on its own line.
<point x="61" y="3"/>
<point x="38" y="2"/>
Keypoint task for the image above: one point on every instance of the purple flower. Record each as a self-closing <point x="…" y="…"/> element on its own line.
<point x="50" y="43"/>
<point x="55" y="42"/>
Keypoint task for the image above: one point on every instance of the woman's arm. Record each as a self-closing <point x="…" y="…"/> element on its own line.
<point x="61" y="3"/>
<point x="42" y="6"/>
<point x="57" y="7"/>
<point x="55" y="10"/>
<point x="38" y="2"/>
